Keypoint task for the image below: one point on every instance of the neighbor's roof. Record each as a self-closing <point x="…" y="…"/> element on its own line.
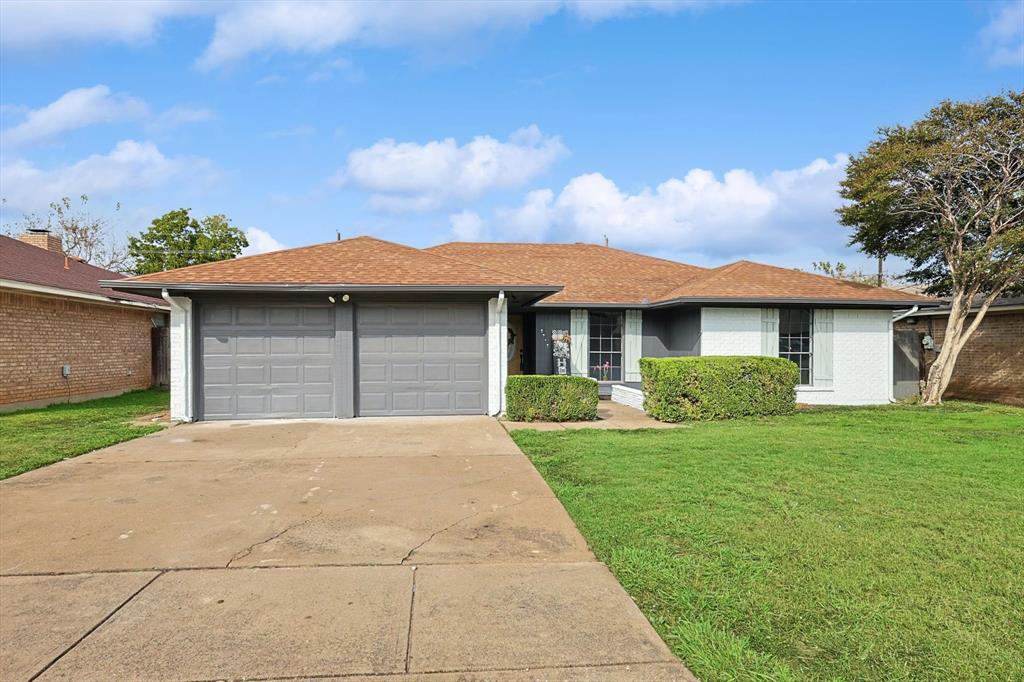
<point x="28" y="264"/>
<point x="360" y="261"/>
<point x="748" y="281"/>
<point x="589" y="273"/>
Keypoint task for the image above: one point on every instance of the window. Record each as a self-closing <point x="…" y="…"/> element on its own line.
<point x="795" y="340"/>
<point x="605" y="346"/>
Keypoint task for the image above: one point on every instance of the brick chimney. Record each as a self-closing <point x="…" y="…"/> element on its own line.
<point x="44" y="239"/>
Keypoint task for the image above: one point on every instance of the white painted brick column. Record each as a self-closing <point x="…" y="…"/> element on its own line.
<point x="497" y="367"/>
<point x="181" y="339"/>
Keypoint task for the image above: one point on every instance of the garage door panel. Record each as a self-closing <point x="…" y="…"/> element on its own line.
<point x="267" y="360"/>
<point x="251" y="375"/>
<point x="250" y="345"/>
<point x="250" y="315"/>
<point x="417" y="358"/>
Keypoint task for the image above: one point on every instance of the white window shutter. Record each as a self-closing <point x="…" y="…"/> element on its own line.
<point x="770" y="332"/>
<point x="631" y="345"/>
<point x="821" y="361"/>
<point x="579" y="330"/>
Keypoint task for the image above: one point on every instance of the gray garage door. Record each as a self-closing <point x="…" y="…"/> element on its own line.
<point x="267" y="361"/>
<point x="422" y="358"/>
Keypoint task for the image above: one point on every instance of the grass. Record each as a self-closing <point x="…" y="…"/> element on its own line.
<point x="30" y="439"/>
<point x="836" y="544"/>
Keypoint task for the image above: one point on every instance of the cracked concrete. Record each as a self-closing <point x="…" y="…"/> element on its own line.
<point x="410" y="548"/>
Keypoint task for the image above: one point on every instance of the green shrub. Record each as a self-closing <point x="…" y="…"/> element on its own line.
<point x="534" y="397"/>
<point x="718" y="387"/>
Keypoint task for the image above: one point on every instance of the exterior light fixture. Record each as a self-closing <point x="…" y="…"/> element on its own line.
<point x="344" y="298"/>
<point x="331" y="299"/>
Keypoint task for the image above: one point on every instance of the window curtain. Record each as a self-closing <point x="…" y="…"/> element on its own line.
<point x="579" y="330"/>
<point x="631" y="345"/>
<point x="822" y="346"/>
<point x="770" y="332"/>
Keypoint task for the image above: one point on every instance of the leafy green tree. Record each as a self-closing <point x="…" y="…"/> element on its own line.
<point x="947" y="193"/>
<point x="176" y="239"/>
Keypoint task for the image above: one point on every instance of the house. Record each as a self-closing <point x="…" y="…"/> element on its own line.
<point x="368" y="327"/>
<point x="62" y="336"/>
<point x="991" y="365"/>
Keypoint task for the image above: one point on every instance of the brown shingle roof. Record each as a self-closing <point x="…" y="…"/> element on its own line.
<point x="745" y="280"/>
<point x="589" y="273"/>
<point x="357" y="261"/>
<point x="21" y="262"/>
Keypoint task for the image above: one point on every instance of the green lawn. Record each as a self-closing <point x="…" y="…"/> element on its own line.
<point x="836" y="544"/>
<point x="33" y="438"/>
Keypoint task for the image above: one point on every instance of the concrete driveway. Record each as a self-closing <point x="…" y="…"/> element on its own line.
<point x="399" y="548"/>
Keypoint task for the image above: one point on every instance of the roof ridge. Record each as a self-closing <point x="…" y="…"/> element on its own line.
<point x="583" y="244"/>
<point x="839" y="280"/>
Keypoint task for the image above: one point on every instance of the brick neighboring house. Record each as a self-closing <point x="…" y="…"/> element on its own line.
<point x="991" y="365"/>
<point x="53" y="313"/>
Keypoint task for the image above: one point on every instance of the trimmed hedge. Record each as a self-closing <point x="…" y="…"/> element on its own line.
<point x="718" y="387"/>
<point x="536" y="397"/>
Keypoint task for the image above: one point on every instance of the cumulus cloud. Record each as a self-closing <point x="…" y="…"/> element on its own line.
<point x="75" y="109"/>
<point x="698" y="212"/>
<point x="260" y="241"/>
<point x="130" y="165"/>
<point x="1003" y="37"/>
<point x="467" y="226"/>
<point x="408" y="176"/>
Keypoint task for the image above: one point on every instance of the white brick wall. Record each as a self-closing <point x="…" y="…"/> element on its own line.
<point x="861" y="359"/>
<point x="861" y="351"/>
<point x="497" y="365"/>
<point x="181" y="358"/>
<point x="730" y="331"/>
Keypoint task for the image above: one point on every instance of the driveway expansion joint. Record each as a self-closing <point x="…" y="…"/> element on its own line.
<point x="94" y="628"/>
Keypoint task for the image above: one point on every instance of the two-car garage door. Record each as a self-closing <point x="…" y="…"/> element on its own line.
<point x="286" y="360"/>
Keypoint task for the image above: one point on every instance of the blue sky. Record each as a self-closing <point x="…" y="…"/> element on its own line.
<point x="705" y="132"/>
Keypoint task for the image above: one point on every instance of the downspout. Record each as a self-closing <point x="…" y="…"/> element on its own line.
<point x="892" y="348"/>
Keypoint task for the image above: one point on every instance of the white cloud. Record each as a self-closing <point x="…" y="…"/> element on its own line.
<point x="1003" y="37"/>
<point x="327" y="70"/>
<point x="467" y="226"/>
<point x="698" y="213"/>
<point x="407" y="176"/>
<point x="84" y="107"/>
<point x="260" y="241"/>
<point x="75" y="109"/>
<point x="311" y="27"/>
<point x="180" y="115"/>
<point x="243" y="28"/>
<point x="33" y="25"/>
<point x="130" y="165"/>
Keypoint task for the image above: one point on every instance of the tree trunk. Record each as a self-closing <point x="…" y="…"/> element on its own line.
<point x="941" y="371"/>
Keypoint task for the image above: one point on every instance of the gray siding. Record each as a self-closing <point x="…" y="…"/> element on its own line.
<point x="671" y="333"/>
<point x="544" y="323"/>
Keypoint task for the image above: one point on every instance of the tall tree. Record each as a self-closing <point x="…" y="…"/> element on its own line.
<point x="176" y="239"/>
<point x="947" y="193"/>
<point x="83" y="234"/>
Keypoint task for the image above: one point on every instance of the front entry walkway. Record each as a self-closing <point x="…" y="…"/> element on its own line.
<point x="408" y="548"/>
